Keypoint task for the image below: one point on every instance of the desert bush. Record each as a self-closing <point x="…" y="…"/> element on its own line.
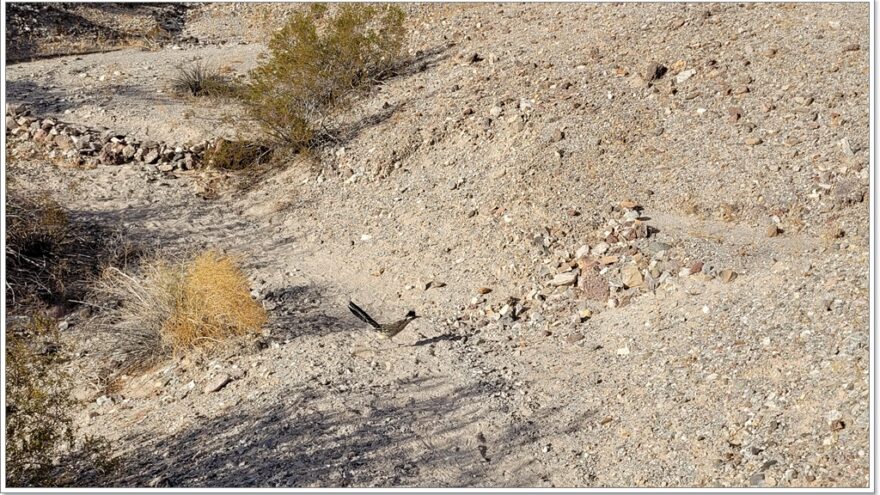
<point x="198" y="79"/>
<point x="40" y="446"/>
<point x="236" y="154"/>
<point x="177" y="307"/>
<point x="316" y="63"/>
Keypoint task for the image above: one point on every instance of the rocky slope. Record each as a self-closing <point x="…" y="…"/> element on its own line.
<point x="638" y="235"/>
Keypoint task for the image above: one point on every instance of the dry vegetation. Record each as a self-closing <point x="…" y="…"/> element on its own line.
<point x="199" y="79"/>
<point x="40" y="445"/>
<point x="172" y="308"/>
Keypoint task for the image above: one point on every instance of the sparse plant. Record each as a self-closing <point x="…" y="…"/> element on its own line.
<point x="200" y="79"/>
<point x="316" y="63"/>
<point x="40" y="446"/>
<point x="177" y="307"/>
<point x="236" y="154"/>
<point x="50" y="258"/>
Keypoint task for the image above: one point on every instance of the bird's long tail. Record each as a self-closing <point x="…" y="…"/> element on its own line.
<point x="362" y="315"/>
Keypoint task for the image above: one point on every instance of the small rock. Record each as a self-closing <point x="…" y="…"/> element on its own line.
<point x="846" y="147"/>
<point x="151" y="156"/>
<point x="564" y="279"/>
<point x="852" y="47"/>
<point x="573" y="338"/>
<point x="754" y="141"/>
<point x="484" y="290"/>
<point x="728" y="275"/>
<point x="757" y="479"/>
<point x="623" y="351"/>
<point x="217" y="383"/>
<point x="684" y="75"/>
<point x="653" y="72"/>
<point x="631" y="276"/>
<point x="601" y="248"/>
<point x="495" y="111"/>
<point x="585" y="314"/>
<point x="697" y="267"/>
<point x="582" y="251"/>
<point x="772" y="230"/>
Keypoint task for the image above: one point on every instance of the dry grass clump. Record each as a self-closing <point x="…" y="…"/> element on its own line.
<point x="316" y="63"/>
<point x="49" y="257"/>
<point x="173" y="308"/>
<point x="198" y="79"/>
<point x="236" y="155"/>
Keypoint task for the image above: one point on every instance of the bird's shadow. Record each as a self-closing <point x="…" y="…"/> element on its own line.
<point x="439" y="338"/>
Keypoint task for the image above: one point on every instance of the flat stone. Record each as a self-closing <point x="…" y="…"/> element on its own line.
<point x="684" y="75"/>
<point x="217" y="383"/>
<point x="601" y="248"/>
<point x="728" y="275"/>
<point x="563" y="279"/>
<point x="631" y="276"/>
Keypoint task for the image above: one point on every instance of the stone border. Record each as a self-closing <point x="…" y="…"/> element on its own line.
<point x="103" y="146"/>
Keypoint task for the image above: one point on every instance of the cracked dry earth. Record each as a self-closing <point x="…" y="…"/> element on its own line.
<point x="737" y="354"/>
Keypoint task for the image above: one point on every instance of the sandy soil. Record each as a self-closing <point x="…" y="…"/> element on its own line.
<point x="492" y="172"/>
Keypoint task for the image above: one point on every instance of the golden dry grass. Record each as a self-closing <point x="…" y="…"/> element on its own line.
<point x="213" y="304"/>
<point x="174" y="308"/>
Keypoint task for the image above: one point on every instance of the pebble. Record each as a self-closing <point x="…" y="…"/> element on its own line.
<point x="564" y="279"/>
<point x="217" y="383"/>
<point x="754" y="141"/>
<point x="582" y="251"/>
<point x="772" y="230"/>
<point x="846" y="147"/>
<point x="601" y="248"/>
<point x="728" y="275"/>
<point x="653" y="71"/>
<point x="623" y="351"/>
<point x="631" y="276"/>
<point x="573" y="338"/>
<point x="685" y="75"/>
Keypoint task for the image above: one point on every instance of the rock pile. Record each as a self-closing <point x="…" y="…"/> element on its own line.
<point x="90" y="147"/>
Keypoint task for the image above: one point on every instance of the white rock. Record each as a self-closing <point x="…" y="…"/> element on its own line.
<point x="562" y="279"/>
<point x="582" y="251"/>
<point x="600" y="248"/>
<point x="623" y="351"/>
<point x="684" y="75"/>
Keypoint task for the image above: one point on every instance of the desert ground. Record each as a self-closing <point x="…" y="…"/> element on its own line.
<point x="637" y="236"/>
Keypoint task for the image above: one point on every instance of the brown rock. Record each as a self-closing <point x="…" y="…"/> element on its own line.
<point x="593" y="286"/>
<point x="772" y="230"/>
<point x="484" y="290"/>
<point x="697" y="267"/>
<point x="728" y="275"/>
<point x="631" y="276"/>
<point x="575" y="337"/>
<point x="754" y="141"/>
<point x="653" y="71"/>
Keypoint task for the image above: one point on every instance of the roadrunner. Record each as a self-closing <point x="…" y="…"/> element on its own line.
<point x="385" y="331"/>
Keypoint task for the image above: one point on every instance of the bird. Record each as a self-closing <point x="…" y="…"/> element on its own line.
<point x="388" y="330"/>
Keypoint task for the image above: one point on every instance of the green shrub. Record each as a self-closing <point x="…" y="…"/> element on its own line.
<point x="316" y="63"/>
